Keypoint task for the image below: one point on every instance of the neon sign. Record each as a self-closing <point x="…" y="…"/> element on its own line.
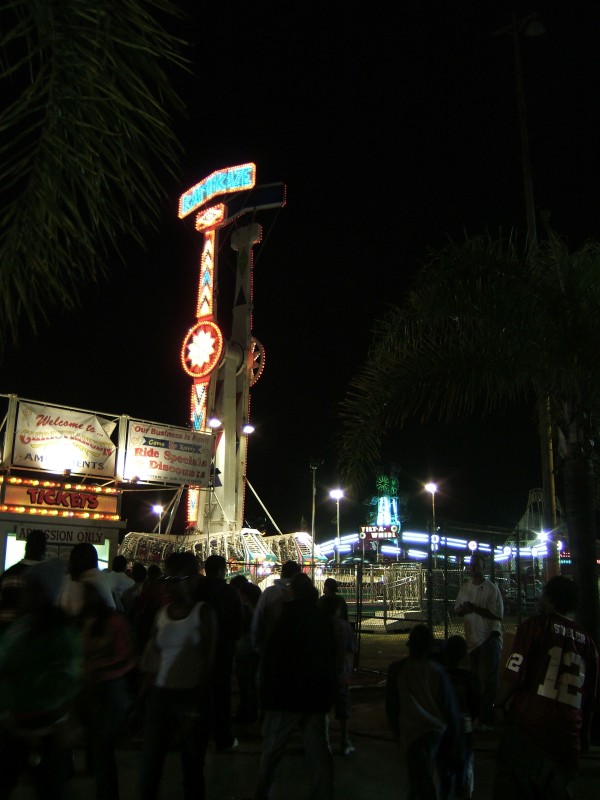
<point x="210" y="217"/>
<point x="223" y="181"/>
<point x="202" y="349"/>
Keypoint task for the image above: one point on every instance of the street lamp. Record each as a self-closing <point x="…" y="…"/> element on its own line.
<point x="314" y="465"/>
<point x="432" y="489"/>
<point x="337" y="494"/>
<point x="158" y="510"/>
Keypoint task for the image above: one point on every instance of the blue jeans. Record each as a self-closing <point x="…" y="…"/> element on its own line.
<point x="166" y="713"/>
<point x="279" y="726"/>
<point x="421" y="756"/>
<point x="485" y="661"/>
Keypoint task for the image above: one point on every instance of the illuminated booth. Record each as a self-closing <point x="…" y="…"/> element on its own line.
<point x="42" y="448"/>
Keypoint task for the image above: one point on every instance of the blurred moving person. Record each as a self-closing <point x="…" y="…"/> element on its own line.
<point x="40" y="676"/>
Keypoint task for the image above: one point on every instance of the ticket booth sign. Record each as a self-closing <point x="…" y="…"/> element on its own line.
<point x="59" y="498"/>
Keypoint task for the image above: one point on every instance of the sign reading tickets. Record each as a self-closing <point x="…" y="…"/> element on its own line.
<point x="59" y="498"/>
<point x="167" y="455"/>
<point x="56" y="439"/>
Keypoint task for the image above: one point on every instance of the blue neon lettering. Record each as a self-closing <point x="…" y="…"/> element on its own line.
<point x="221" y="182"/>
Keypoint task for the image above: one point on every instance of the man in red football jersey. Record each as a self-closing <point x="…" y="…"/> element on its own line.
<point x="548" y="691"/>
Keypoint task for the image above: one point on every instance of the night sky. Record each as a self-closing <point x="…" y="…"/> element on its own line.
<point x="394" y="128"/>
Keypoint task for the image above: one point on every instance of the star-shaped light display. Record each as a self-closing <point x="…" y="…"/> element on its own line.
<point x="202" y="349"/>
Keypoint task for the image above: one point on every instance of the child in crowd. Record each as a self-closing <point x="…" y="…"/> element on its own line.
<point x="468" y="692"/>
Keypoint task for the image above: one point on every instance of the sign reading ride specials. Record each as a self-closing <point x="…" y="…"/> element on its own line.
<point x="157" y="453"/>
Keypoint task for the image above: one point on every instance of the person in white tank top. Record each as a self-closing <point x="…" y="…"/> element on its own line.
<point x="176" y="664"/>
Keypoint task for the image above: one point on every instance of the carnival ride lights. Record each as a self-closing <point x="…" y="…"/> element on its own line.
<point x="202" y="349"/>
<point x="387" y="500"/>
<point x="500" y="553"/>
<point x="417" y="554"/>
<point x="52" y="512"/>
<point x="223" y="372"/>
<point x="223" y="181"/>
<point x="79" y="487"/>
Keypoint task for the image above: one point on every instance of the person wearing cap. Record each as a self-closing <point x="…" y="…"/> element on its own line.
<point x="12" y="581"/>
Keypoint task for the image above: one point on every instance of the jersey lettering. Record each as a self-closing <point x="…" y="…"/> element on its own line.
<point x="514" y="662"/>
<point x="566" y="687"/>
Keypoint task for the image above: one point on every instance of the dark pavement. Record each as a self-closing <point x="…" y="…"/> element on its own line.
<point x="374" y="770"/>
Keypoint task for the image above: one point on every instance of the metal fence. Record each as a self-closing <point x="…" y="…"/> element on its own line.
<point x="388" y="600"/>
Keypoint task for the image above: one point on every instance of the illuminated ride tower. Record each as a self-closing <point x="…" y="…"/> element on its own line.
<point x="222" y="371"/>
<point x="388" y="510"/>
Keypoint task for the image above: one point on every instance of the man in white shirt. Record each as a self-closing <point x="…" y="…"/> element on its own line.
<point x="119" y="579"/>
<point x="479" y="602"/>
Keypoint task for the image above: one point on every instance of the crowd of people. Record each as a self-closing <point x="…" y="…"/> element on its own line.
<point x="87" y="655"/>
<point x="543" y="701"/>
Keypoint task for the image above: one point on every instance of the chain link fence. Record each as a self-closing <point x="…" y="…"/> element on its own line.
<point x="387" y="601"/>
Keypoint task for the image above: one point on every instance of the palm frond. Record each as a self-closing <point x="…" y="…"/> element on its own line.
<point x="85" y="133"/>
<point x="479" y="329"/>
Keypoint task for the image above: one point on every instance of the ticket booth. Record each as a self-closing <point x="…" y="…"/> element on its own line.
<point x="67" y="513"/>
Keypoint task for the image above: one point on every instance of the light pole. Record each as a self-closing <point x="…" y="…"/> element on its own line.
<point x="314" y="465"/>
<point x="432" y="489"/>
<point x="531" y="27"/>
<point x="337" y="494"/>
<point x="158" y="510"/>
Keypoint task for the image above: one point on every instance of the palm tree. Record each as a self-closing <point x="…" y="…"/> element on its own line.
<point x="85" y="124"/>
<point x="478" y="329"/>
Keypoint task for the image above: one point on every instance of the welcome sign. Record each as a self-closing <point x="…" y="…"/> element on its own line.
<point x="56" y="439"/>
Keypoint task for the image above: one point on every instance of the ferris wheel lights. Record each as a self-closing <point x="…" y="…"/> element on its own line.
<point x="247" y="428"/>
<point x="214" y="421"/>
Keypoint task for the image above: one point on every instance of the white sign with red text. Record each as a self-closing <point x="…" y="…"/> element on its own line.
<point x="56" y="439"/>
<point x="160" y="453"/>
